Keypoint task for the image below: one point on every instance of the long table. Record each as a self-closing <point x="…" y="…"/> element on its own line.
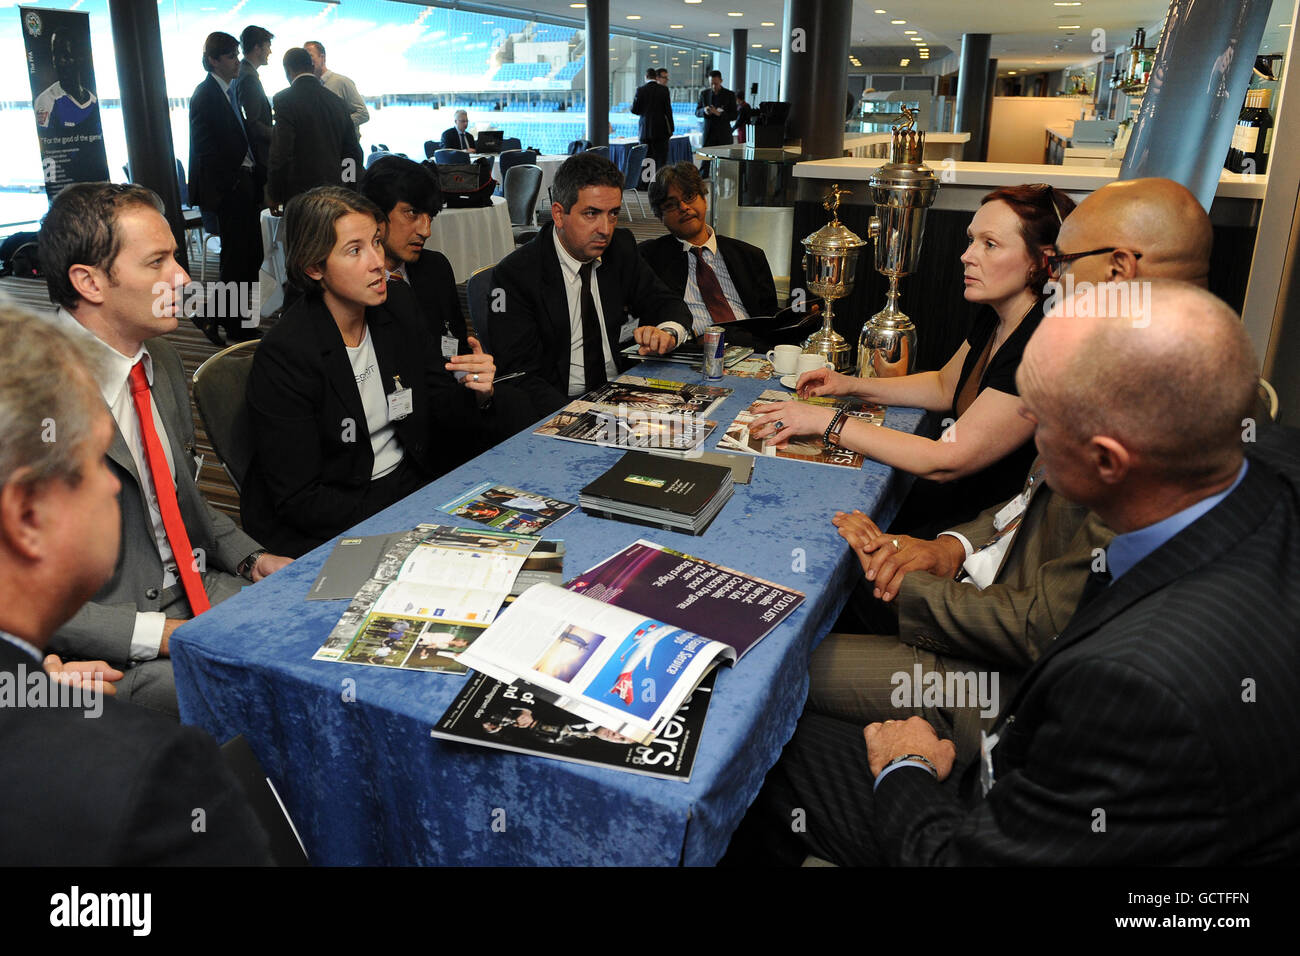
<point x="348" y="746"/>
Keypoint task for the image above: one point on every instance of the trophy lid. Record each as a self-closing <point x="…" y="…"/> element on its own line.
<point x="834" y="237"/>
<point x="906" y="167"/>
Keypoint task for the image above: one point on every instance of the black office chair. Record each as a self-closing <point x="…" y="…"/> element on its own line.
<point x="634" y="175"/>
<point x="511" y="142"/>
<point x="477" y="292"/>
<point x="430" y="147"/>
<point x="598" y="150"/>
<point x="515" y="157"/>
<point x="219" y="385"/>
<point x="523" y="186"/>
<point x="450" y="156"/>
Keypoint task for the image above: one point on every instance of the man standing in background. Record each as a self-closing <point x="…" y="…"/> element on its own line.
<point x="256" y="43"/>
<point x="339" y="85"/>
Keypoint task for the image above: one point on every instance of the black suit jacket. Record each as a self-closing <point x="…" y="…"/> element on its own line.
<point x="434" y="285"/>
<point x="746" y="264"/>
<point x="312" y="139"/>
<point x="119" y="789"/>
<point x="1140" y="735"/>
<point x="654" y="104"/>
<point x="258" y="120"/>
<point x="451" y="139"/>
<point x="532" y="334"/>
<point x="217" y="146"/>
<point x="717" y="129"/>
<point x="310" y="471"/>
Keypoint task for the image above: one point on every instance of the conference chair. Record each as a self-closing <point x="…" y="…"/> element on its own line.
<point x="450" y="156"/>
<point x="633" y="178"/>
<point x="598" y="150"/>
<point x="579" y="146"/>
<point x="282" y="840"/>
<point x="516" y="157"/>
<point x="219" y="386"/>
<point x="523" y="186"/>
<point x="512" y="142"/>
<point x="477" y="291"/>
<point x="430" y="147"/>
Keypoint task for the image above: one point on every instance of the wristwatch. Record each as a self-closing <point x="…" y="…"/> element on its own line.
<point x="245" y="568"/>
<point x="831" y="437"/>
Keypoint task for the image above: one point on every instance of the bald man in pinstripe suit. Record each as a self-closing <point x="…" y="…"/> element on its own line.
<point x="1155" y="728"/>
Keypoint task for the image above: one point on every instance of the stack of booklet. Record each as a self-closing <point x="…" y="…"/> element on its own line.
<point x="670" y="493"/>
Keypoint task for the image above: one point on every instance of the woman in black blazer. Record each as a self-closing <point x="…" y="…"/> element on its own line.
<point x="351" y="404"/>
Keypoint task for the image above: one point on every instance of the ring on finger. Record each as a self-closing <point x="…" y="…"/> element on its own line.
<point x="475" y="378"/>
<point x="778" y="425"/>
<point x="897" y="546"/>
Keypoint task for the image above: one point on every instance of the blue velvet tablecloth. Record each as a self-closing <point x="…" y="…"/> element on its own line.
<point x="348" y="746"/>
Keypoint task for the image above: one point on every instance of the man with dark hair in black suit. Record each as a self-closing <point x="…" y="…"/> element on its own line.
<point x="88" y="781"/>
<point x="654" y="104"/>
<point x="1138" y="737"/>
<point x="314" y="142"/>
<point x="722" y="279"/>
<point x="410" y="197"/>
<point x="256" y="44"/>
<point x="717" y="107"/>
<point x="223" y="169"/>
<point x="564" y="295"/>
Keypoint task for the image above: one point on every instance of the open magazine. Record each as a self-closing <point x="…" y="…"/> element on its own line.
<point x="658" y="394"/>
<point x="628" y="427"/>
<point x="421" y="616"/>
<point x="624" y="671"/>
<point x="800" y="448"/>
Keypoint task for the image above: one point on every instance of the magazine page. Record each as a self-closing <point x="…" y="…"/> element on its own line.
<point x="627" y="427"/>
<point x="649" y="394"/>
<point x="514" y="717"/>
<point x="422" y="615"/>
<point x="625" y="671"/>
<point x="803" y="448"/>
<point x="729" y="606"/>
<point x="508" y="509"/>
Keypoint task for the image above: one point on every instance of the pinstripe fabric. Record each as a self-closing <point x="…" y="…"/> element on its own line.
<point x="1158" y="729"/>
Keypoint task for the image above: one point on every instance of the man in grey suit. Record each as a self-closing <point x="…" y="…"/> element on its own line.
<point x="108" y="256"/>
<point x="1142" y="735"/>
<point x="990" y="595"/>
<point x="314" y="142"/>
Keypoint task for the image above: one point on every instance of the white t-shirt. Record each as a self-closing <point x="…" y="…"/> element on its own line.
<point x="383" y="437"/>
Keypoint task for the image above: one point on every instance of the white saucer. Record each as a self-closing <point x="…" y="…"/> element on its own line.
<point x="790" y="381"/>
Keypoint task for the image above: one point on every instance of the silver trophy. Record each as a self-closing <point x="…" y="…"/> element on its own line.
<point x="830" y="261"/>
<point x="902" y="190"/>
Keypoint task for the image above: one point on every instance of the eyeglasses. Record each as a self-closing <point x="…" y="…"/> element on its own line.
<point x="672" y="205"/>
<point x="1054" y="263"/>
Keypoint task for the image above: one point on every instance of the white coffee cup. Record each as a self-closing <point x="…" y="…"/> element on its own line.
<point x="806" y="363"/>
<point x="783" y="358"/>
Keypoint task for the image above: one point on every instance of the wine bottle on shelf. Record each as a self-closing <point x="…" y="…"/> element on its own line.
<point x="1252" y="137"/>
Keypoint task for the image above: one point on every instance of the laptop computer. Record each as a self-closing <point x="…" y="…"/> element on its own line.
<point x="489" y="141"/>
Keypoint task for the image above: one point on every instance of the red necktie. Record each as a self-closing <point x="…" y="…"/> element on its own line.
<point x="711" y="289"/>
<point x="163" y="488"/>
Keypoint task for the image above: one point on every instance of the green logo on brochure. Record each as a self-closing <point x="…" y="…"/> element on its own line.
<point x="643" y="480"/>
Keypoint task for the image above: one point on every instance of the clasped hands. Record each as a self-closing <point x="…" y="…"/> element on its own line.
<point x="886" y="558"/>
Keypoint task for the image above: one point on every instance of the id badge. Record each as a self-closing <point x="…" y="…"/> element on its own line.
<point x="1012" y="510"/>
<point x="450" y="346"/>
<point x="987" y="743"/>
<point x="400" y="402"/>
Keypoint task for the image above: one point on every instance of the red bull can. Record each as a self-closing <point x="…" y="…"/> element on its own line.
<point x="714" y="345"/>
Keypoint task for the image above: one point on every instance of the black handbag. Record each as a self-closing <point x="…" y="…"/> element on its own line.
<point x="465" y="185"/>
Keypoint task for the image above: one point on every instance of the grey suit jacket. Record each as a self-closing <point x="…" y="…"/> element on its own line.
<point x="102" y="628"/>
<point x="1036" y="590"/>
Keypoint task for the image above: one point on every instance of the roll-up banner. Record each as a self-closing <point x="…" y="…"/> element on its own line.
<point x="62" y="78"/>
<point x="1198" y="84"/>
